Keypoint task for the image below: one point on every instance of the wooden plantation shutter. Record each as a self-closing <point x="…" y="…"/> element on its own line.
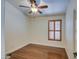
<point x="54" y="30"/>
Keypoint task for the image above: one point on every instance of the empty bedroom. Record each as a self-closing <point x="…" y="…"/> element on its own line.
<point x="40" y="29"/>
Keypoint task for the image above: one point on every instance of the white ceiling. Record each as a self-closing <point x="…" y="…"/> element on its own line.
<point x="54" y="6"/>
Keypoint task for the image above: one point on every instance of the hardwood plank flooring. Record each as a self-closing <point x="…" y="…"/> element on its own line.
<point x="34" y="51"/>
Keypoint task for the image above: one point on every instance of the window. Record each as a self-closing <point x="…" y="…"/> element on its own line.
<point x="54" y="30"/>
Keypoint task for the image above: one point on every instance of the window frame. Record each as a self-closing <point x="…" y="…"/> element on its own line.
<point x="55" y="30"/>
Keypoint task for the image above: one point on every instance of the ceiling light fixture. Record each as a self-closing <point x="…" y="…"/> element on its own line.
<point x="34" y="10"/>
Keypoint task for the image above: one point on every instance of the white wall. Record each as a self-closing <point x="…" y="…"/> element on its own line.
<point x="2" y="30"/>
<point x="16" y="28"/>
<point x="69" y="29"/>
<point x="39" y="32"/>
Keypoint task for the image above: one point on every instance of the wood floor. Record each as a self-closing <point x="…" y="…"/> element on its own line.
<point x="33" y="51"/>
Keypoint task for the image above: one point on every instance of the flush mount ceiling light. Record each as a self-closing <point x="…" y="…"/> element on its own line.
<point x="42" y="4"/>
